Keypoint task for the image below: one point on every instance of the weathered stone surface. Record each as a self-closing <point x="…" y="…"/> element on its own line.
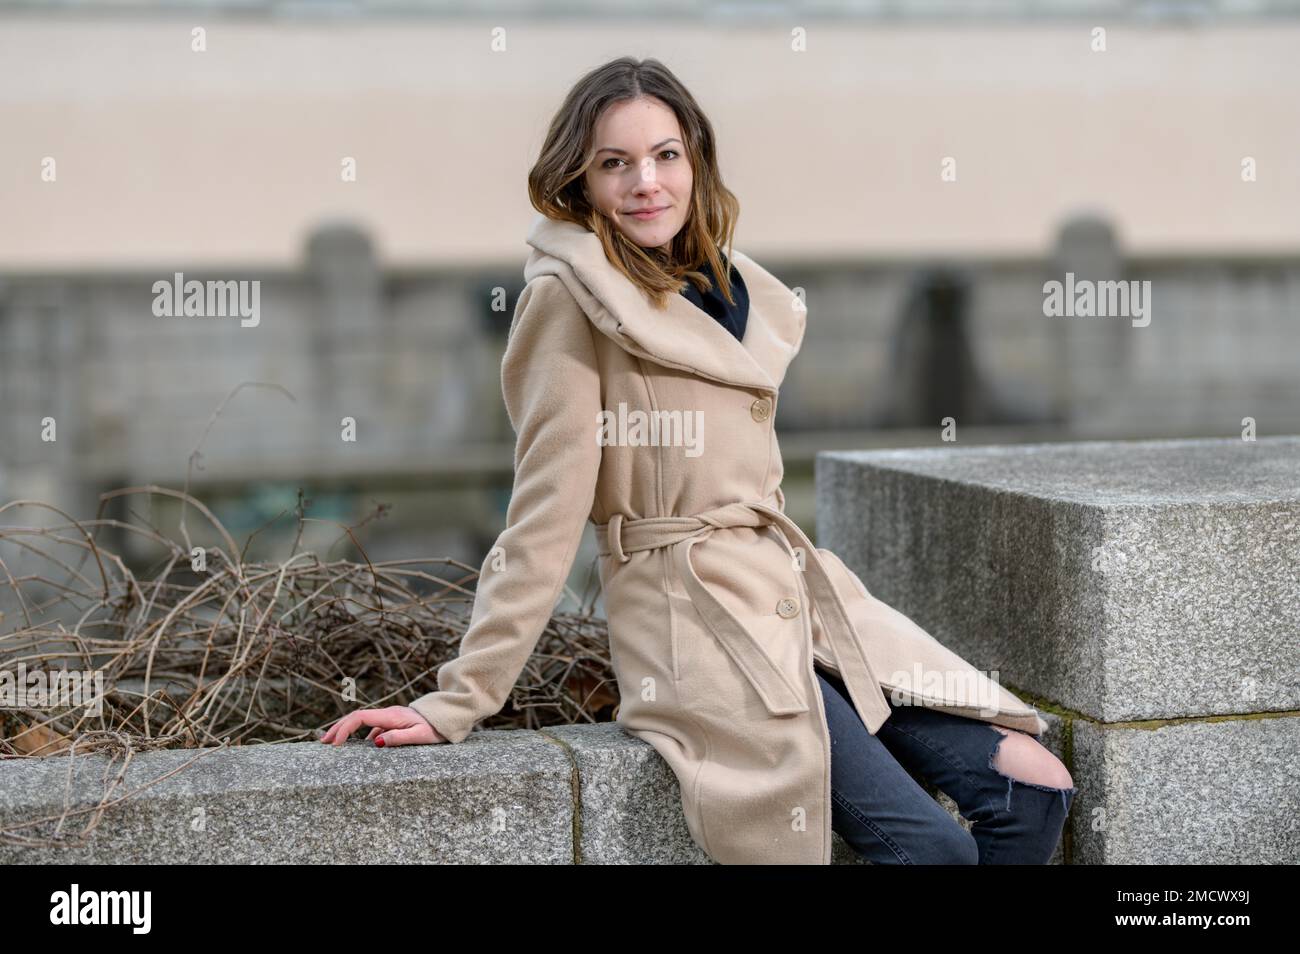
<point x="498" y="797"/>
<point x="1198" y="792"/>
<point x="1122" y="580"/>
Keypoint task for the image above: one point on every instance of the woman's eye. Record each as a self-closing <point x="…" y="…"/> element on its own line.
<point x="666" y="152"/>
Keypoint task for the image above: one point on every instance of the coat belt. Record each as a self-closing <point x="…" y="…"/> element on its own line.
<point x="619" y="537"/>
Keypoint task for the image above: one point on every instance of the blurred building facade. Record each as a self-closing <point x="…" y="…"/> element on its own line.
<point x="385" y="299"/>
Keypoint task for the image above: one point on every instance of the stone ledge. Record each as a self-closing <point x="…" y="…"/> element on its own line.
<point x="518" y="797"/>
<point x="498" y="797"/>
<point x="1149" y="589"/>
<point x="1126" y="580"/>
<point x="1215" y="791"/>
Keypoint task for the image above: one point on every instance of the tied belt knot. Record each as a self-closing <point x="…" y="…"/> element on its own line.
<point x="620" y="537"/>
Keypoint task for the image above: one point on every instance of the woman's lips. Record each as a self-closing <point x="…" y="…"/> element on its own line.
<point x="646" y="216"/>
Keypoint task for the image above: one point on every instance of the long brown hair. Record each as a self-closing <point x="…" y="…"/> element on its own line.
<point x="555" y="183"/>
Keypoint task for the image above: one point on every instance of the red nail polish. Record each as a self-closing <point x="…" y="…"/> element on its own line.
<point x="379" y="742"/>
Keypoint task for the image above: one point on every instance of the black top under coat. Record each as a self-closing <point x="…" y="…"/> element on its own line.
<point x="731" y="317"/>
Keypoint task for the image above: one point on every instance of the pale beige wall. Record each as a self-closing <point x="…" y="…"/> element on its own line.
<point x="227" y="157"/>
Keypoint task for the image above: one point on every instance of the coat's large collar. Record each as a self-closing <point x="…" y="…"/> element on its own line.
<point x="681" y="336"/>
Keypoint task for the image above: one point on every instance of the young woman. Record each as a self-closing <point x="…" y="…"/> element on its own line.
<point x="641" y="375"/>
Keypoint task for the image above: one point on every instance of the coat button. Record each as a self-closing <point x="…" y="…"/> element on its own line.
<point x="788" y="608"/>
<point x="760" y="409"/>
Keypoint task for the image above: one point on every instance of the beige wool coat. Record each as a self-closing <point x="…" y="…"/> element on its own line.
<point x="718" y="604"/>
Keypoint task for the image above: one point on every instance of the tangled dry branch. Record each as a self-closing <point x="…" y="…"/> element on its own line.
<point x="202" y="649"/>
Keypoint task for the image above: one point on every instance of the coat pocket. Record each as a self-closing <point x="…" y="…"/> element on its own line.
<point x="681" y="615"/>
<point x="696" y="651"/>
<point x="744" y="677"/>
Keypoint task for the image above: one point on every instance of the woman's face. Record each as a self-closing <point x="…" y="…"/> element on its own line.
<point x="641" y="164"/>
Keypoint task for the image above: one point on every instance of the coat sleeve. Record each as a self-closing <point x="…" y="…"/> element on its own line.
<point x="551" y="384"/>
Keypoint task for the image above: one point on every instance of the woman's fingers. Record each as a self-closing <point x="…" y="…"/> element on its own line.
<point x="415" y="735"/>
<point x="384" y="718"/>
<point x="399" y="725"/>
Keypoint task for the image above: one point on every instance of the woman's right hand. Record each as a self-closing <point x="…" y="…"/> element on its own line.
<point x="392" y="725"/>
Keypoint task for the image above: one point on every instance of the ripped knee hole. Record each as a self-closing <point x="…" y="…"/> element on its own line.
<point x="1028" y="762"/>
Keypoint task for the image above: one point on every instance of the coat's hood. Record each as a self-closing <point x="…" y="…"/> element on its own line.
<point x="681" y="336"/>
